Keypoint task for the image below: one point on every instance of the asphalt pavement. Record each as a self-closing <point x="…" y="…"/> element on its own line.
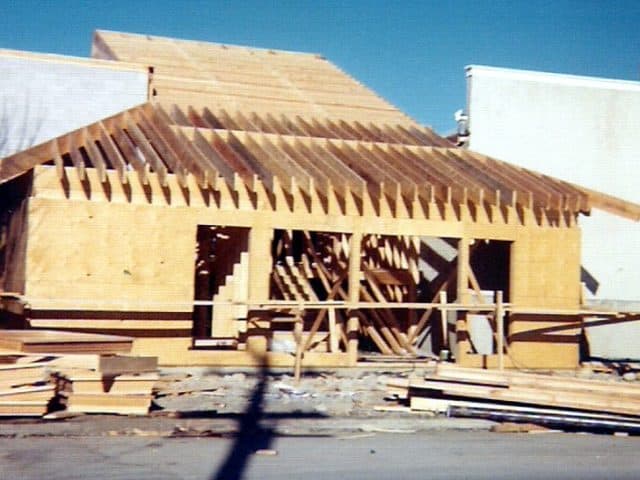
<point x="364" y="455"/>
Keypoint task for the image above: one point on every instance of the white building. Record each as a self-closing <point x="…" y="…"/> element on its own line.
<point x="586" y="131"/>
<point x="43" y="96"/>
<point x="583" y="130"/>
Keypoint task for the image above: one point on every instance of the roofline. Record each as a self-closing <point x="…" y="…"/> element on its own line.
<point x="215" y="44"/>
<point x="554" y="78"/>
<point x="68" y="59"/>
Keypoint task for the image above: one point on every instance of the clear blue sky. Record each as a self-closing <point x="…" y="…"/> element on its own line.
<point x="413" y="53"/>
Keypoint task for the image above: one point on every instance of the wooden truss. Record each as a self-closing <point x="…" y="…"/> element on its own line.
<point x="310" y="164"/>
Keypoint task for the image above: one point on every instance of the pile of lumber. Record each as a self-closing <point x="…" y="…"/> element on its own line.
<point x="24" y="390"/>
<point x="46" y="370"/>
<point x="557" y="401"/>
<point x="105" y="383"/>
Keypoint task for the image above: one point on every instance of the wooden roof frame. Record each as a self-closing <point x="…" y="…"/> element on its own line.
<point x="317" y="157"/>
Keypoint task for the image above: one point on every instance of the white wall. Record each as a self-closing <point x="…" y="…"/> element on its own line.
<point x="44" y="96"/>
<point x="584" y="130"/>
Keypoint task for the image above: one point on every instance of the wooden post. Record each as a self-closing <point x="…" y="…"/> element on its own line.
<point x="355" y="245"/>
<point x="258" y="279"/>
<point x="260" y="263"/>
<point x="297" y="336"/>
<point x="463" y="271"/>
<point x="333" y="332"/>
<point x="500" y="329"/>
<point x="445" y="322"/>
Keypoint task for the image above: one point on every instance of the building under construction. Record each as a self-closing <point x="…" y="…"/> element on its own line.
<point x="264" y="204"/>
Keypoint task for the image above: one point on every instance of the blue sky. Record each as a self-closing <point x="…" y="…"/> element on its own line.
<point x="411" y="53"/>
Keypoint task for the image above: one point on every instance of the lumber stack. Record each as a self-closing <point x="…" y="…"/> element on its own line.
<point x="115" y="384"/>
<point x="552" y="400"/>
<point x="24" y="390"/>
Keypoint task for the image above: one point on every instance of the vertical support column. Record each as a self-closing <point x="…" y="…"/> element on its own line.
<point x="444" y="324"/>
<point x="463" y="271"/>
<point x="500" y="329"/>
<point x="297" y="336"/>
<point x="353" y="326"/>
<point x="462" y="296"/>
<point x="260" y="264"/>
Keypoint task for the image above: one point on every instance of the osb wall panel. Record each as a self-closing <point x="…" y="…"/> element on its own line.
<point x="140" y="247"/>
<point x="545" y="273"/>
<point x="544" y="355"/>
<point x="109" y="256"/>
<point x="545" y="268"/>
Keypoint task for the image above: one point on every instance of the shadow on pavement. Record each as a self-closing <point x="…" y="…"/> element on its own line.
<point x="252" y="435"/>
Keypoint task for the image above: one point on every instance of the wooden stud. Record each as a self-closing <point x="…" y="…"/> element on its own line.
<point x="500" y="329"/>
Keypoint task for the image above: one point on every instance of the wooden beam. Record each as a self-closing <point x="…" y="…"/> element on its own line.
<point x="462" y="286"/>
<point x="150" y="155"/>
<point x="355" y="261"/>
<point x="57" y="159"/>
<point x="69" y="145"/>
<point x="129" y="152"/>
<point x="114" y="154"/>
<point x="94" y="155"/>
<point x="500" y="329"/>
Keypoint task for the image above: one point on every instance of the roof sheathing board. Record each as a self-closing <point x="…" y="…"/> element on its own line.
<point x="245" y="79"/>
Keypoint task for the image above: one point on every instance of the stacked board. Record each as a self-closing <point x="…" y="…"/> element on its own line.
<point x="24" y="390"/>
<point x="115" y="384"/>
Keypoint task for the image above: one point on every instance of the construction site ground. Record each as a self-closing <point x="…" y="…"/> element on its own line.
<point x="207" y="402"/>
<point x="230" y="423"/>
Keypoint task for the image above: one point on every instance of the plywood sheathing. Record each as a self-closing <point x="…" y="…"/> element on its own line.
<point x="201" y="74"/>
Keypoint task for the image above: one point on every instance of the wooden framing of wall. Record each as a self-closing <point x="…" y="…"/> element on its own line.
<point x="334" y="207"/>
<point x="113" y="224"/>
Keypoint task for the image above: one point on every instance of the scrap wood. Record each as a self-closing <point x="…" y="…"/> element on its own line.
<point x="165" y="392"/>
<point x="512" y="427"/>
<point x="393" y="408"/>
